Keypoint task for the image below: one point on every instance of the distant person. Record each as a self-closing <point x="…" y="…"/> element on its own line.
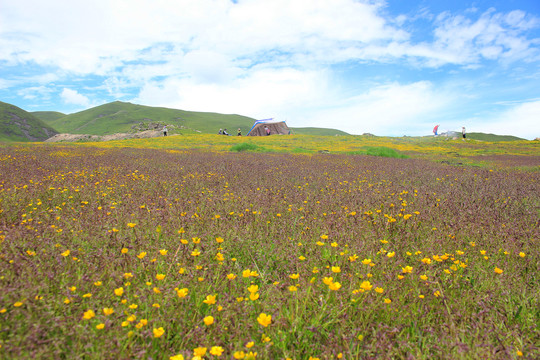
<point x="225" y="132"/>
<point x="165" y="130"/>
<point x="435" y="130"/>
<point x="463" y="134"/>
<point x="239" y="133"/>
<point x="220" y="132"/>
<point x="267" y="130"/>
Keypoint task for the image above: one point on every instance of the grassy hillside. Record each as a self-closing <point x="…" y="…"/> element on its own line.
<point x="492" y="137"/>
<point x="48" y="116"/>
<point x="317" y="131"/>
<point x="19" y="125"/>
<point x="119" y="116"/>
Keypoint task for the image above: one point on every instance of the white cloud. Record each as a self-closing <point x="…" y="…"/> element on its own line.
<point x="521" y="120"/>
<point x="70" y="96"/>
<point x="390" y="109"/>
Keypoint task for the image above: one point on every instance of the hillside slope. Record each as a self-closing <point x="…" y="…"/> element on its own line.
<point x="17" y="124"/>
<point x="121" y="117"/>
<point x="48" y="116"/>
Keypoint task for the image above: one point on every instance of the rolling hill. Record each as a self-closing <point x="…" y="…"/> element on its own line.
<point x="17" y="124"/>
<point x="122" y="117"/>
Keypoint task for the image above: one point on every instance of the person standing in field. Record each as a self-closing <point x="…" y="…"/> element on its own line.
<point x="165" y="130"/>
<point x="239" y="133"/>
<point x="267" y="130"/>
<point x="463" y="134"/>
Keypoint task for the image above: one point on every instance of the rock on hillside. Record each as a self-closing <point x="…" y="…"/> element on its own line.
<point x="17" y="124"/>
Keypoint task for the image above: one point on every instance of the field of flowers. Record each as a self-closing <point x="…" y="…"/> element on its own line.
<point x="167" y="253"/>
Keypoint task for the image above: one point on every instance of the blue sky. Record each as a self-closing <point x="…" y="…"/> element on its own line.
<point x="383" y="67"/>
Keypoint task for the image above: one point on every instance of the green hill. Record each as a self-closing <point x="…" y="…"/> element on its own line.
<point x="17" y="124"/>
<point x="492" y="137"/>
<point x="117" y="117"/>
<point x="48" y="116"/>
<point x="121" y="117"/>
<point x="317" y="131"/>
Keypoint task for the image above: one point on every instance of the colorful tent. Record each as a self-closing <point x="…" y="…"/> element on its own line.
<point x="275" y="127"/>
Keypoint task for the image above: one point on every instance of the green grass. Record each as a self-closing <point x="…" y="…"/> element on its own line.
<point x="246" y="146"/>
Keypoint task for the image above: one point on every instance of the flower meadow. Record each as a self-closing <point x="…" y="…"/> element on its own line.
<point x="136" y="253"/>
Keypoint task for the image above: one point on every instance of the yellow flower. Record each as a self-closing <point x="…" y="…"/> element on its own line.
<point x="328" y="280"/>
<point x="391" y="254"/>
<point x="177" y="357"/>
<point x="423" y="277"/>
<point x="320" y="243"/>
<point x="334" y="286"/>
<point x="141" y="255"/>
<point x="253" y="288"/>
<point x="160" y="276"/>
<point x="294" y="276"/>
<point x="87" y="295"/>
<point x="264" y="319"/>
<point x="387" y="301"/>
<point x="253" y="296"/>
<point x="407" y="269"/>
<point x="163" y="252"/>
<point x="250" y="344"/>
<point x="219" y="240"/>
<point x="210" y="300"/>
<point x="336" y="269"/>
<point x="199" y="351"/>
<point x="366" y="285"/>
<point x="156" y="290"/>
<point x="133" y="306"/>
<point x="131" y="318"/>
<point x="89" y="314"/>
<point x="522" y="254"/>
<point x="301" y="258"/>
<point x="498" y="271"/>
<point x="426" y="260"/>
<point x="98" y="283"/>
<point x="324" y="237"/>
<point x="181" y="270"/>
<point x="158" y="332"/>
<point x="131" y="225"/>
<point x="353" y="258"/>
<point x="216" y="350"/>
<point x="65" y="253"/>
<point x="379" y="290"/>
<point x="128" y="275"/>
<point x="100" y="326"/>
<point x="239" y="355"/>
<point x="366" y="261"/>
<point x="293" y="288"/>
<point x="156" y="305"/>
<point x="108" y="311"/>
<point x="119" y="291"/>
<point x="182" y="292"/>
<point x="208" y="320"/>
<point x="219" y="257"/>
<point x="195" y="252"/>
<point x="196" y="240"/>
<point x="67" y="301"/>
<point x="251" y="355"/>
<point x="421" y="296"/>
<point x="519" y="353"/>
<point x="437" y="293"/>
<point x="124" y="251"/>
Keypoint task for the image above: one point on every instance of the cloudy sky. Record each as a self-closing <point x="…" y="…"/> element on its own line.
<point x="385" y="67"/>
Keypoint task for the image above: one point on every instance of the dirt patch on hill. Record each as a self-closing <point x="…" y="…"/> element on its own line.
<point x="119" y="136"/>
